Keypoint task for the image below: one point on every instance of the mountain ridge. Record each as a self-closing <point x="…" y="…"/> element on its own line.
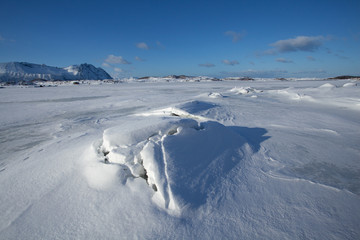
<point x="25" y="71"/>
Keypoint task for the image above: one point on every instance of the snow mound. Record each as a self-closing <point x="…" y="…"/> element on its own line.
<point x="292" y="94"/>
<point x="180" y="157"/>
<point x="243" y="90"/>
<point x="350" y="84"/>
<point x="196" y="107"/>
<point x="193" y="109"/>
<point x="327" y="86"/>
<point x="326" y="94"/>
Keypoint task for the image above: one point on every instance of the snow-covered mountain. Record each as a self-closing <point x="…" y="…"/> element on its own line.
<point x="23" y="71"/>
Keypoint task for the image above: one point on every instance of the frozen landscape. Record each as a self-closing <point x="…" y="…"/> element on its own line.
<point x="262" y="159"/>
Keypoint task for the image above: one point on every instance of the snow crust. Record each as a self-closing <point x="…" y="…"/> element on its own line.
<point x="181" y="160"/>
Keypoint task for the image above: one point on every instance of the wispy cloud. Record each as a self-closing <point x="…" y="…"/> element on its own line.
<point x="116" y="60"/>
<point x="340" y="56"/>
<point x="231" y="63"/>
<point x="160" y="45"/>
<point x="283" y="60"/>
<point x="311" y="58"/>
<point x="207" y="65"/>
<point x="105" y="65"/>
<point x="3" y="39"/>
<point x="118" y="70"/>
<point x="139" y="59"/>
<point x="300" y="43"/>
<point x="235" y="36"/>
<point x="142" y="45"/>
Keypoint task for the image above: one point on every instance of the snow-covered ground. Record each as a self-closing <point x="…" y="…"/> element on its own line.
<point x="198" y="160"/>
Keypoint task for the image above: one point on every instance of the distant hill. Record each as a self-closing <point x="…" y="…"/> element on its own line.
<point x="14" y="72"/>
<point x="346" y="77"/>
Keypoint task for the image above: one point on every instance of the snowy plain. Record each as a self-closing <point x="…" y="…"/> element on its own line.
<point x="263" y="159"/>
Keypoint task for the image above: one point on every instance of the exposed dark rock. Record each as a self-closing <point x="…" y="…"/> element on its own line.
<point x="346" y="77"/>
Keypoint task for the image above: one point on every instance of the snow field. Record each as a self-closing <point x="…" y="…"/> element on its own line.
<point x="170" y="160"/>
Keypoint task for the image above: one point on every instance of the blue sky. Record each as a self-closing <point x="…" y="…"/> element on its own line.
<point x="161" y="37"/>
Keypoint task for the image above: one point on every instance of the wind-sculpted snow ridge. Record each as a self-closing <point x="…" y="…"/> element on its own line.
<point x="181" y="156"/>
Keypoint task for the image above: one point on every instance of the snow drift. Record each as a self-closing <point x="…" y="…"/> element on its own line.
<point x="179" y="156"/>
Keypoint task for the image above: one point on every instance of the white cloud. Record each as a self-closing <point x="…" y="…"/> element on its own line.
<point x="231" y="63"/>
<point x="116" y="69"/>
<point x="206" y="65"/>
<point x="236" y="36"/>
<point x="300" y="43"/>
<point x="105" y="64"/>
<point x="142" y="45"/>
<point x="283" y="60"/>
<point x="1" y="38"/>
<point x="116" y="60"/>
